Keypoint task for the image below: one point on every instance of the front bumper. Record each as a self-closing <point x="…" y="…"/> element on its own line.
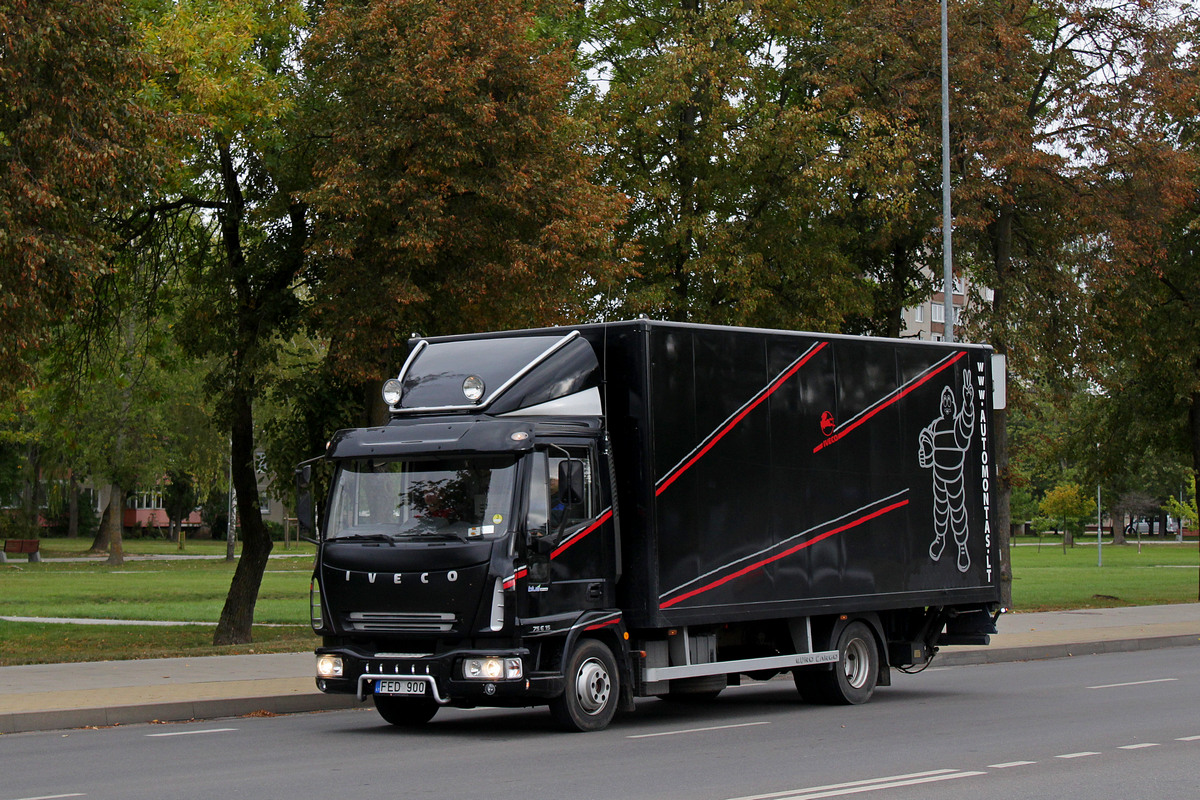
<point x="442" y="675"/>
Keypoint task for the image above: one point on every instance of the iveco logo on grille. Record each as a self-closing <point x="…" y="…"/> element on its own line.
<point x="398" y="578"/>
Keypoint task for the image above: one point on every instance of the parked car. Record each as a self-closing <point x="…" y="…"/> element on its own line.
<point x="1147" y="526"/>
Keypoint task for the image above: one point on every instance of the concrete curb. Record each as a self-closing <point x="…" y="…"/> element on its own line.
<point x="997" y="655"/>
<point x="173" y="711"/>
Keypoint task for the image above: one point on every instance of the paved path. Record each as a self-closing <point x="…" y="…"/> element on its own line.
<point x="55" y="696"/>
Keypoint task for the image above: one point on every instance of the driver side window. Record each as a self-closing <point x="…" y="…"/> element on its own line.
<point x="553" y="512"/>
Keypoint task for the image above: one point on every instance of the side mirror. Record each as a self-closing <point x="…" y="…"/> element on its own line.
<point x="570" y="481"/>
<point x="304" y="503"/>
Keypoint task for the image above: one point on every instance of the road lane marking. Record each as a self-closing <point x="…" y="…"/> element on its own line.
<point x="1084" y="754"/>
<point x="1132" y="683"/>
<point x="697" y="730"/>
<point x="51" y="796"/>
<point x="859" y="787"/>
<point x="1012" y="764"/>
<point x="1188" y="739"/>
<point x="190" y="733"/>
<point x="1139" y="746"/>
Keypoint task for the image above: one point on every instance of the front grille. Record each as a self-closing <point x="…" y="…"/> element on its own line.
<point x="381" y="622"/>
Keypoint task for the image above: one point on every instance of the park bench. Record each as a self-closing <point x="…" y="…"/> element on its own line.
<point x="27" y="547"/>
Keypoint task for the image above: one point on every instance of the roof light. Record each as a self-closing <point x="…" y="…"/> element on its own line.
<point x="473" y="388"/>
<point x="392" y="391"/>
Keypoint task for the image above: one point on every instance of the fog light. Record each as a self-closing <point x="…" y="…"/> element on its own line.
<point x="329" y="667"/>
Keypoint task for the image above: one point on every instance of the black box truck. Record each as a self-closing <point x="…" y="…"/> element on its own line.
<point x="580" y="517"/>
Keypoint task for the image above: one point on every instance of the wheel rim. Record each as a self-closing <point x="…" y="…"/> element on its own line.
<point x="592" y="686"/>
<point x="857" y="663"/>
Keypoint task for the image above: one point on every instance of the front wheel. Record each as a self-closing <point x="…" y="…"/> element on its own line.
<point x="593" y="688"/>
<point x="405" y="712"/>
<point x="852" y="679"/>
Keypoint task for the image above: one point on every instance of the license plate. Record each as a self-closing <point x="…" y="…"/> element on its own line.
<point x="399" y="687"/>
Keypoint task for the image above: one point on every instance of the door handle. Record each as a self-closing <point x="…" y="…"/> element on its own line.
<point x="595" y="591"/>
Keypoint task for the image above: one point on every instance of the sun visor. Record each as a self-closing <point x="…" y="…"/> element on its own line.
<point x="457" y="437"/>
<point x="497" y="375"/>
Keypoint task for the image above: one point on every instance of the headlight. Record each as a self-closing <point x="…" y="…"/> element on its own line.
<point x="492" y="669"/>
<point x="329" y="667"/>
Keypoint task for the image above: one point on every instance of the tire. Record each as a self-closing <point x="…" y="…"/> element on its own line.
<point x="853" y="678"/>
<point x="593" y="689"/>
<point x="405" y="712"/>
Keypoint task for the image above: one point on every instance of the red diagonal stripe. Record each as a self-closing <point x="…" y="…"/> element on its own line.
<point x="894" y="398"/>
<point x="603" y="518"/>
<point x="770" y="390"/>
<point x="771" y="559"/>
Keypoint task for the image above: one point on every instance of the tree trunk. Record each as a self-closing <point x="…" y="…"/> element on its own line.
<point x="100" y="542"/>
<point x="237" y="617"/>
<point x="73" y="508"/>
<point x="29" y="515"/>
<point x="116" y="549"/>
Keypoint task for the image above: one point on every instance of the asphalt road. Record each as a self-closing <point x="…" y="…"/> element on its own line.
<point x="1122" y="725"/>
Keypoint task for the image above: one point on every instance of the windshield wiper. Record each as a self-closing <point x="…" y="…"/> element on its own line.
<point x="445" y="536"/>
<point x="366" y="537"/>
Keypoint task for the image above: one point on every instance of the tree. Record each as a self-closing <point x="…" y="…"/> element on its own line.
<point x="718" y="130"/>
<point x="1184" y="510"/>
<point x="231" y="69"/>
<point x="74" y="154"/>
<point x="111" y="386"/>
<point x="877" y="63"/>
<point x="179" y="499"/>
<point x="1062" y="174"/>
<point x="20" y="473"/>
<point x="453" y="189"/>
<point x="1067" y="504"/>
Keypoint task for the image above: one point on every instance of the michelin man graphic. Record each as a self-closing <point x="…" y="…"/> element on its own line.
<point x="943" y="448"/>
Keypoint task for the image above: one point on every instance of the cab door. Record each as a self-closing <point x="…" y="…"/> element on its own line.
<point x="568" y="534"/>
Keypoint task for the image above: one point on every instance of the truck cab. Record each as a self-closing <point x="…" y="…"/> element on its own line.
<point x="465" y="544"/>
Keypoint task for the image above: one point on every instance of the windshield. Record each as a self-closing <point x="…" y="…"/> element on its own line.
<point x="384" y="499"/>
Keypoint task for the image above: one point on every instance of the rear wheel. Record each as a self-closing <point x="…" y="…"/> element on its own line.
<point x="405" y="712"/>
<point x="593" y="689"/>
<point x="852" y="679"/>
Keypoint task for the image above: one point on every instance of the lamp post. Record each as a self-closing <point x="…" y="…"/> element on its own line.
<point x="947" y="253"/>
<point x="1099" y="527"/>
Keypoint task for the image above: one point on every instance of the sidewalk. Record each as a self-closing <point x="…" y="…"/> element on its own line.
<point x="57" y="696"/>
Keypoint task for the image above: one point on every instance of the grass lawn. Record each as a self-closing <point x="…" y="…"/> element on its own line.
<point x="187" y="590"/>
<point x="194" y="589"/>
<point x="1048" y="578"/>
